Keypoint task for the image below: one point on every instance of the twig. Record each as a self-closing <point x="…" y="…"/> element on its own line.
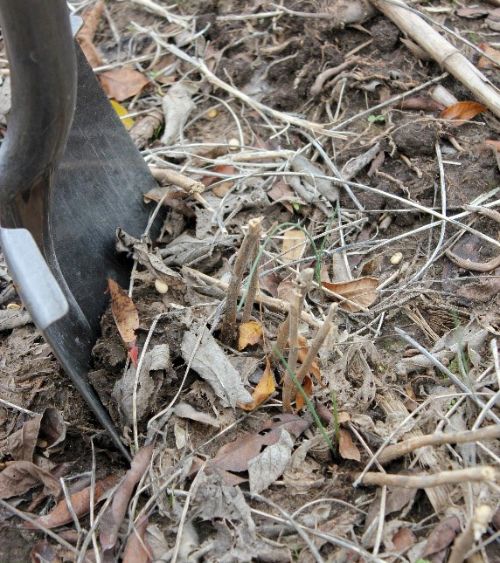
<point x="293" y="348"/>
<point x="442" y="51"/>
<point x="466" y="264"/>
<point x="271" y="302"/>
<point x="253" y="286"/>
<point x="425" y="480"/>
<point x="192" y="491"/>
<point x="228" y="329"/>
<point x="36" y="525"/>
<point x="476" y="527"/>
<point x="398" y="450"/>
<point x="317" y="343"/>
<point x="190" y="186"/>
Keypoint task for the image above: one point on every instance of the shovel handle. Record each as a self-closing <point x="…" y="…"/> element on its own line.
<point x="40" y="48"/>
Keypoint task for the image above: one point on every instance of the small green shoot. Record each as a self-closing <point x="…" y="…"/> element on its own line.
<point x="376" y="118"/>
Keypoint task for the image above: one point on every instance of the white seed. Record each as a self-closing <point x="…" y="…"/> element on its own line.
<point x="396" y="258"/>
<point x="161" y="286"/>
<point x="13" y="306"/>
<point x="212" y="113"/>
<point x="234" y="144"/>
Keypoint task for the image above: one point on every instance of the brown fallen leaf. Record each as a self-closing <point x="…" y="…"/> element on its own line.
<point x="18" y="477"/>
<point x="80" y="501"/>
<point x="115" y="513"/>
<point x="293" y="245"/>
<point x="85" y="36"/>
<point x="403" y="540"/>
<point x="347" y="448"/>
<point x="137" y="549"/>
<point x="126" y="317"/>
<point x="493" y="54"/>
<point x="307" y="386"/>
<point x="263" y="390"/>
<point x="420" y="103"/>
<point x="462" y="111"/>
<point x="357" y="294"/>
<point x="236" y="455"/>
<point x="44" y="430"/>
<point x="250" y="333"/>
<point x="222" y="187"/>
<point x="442" y="536"/>
<point x="122" y="83"/>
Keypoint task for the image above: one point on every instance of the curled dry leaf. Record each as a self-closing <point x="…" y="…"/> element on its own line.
<point x="307" y="386"/>
<point x="347" y="448"/>
<point x="221" y="189"/>
<point x="113" y="517"/>
<point x="462" y="111"/>
<point x="264" y="389"/>
<point x="357" y="294"/>
<point x="80" y="501"/>
<point x="303" y="351"/>
<point x="122" y="83"/>
<point x="250" y="334"/>
<point x="493" y="54"/>
<point x="442" y="536"/>
<point x="137" y="550"/>
<point x="85" y="36"/>
<point x="18" y="477"/>
<point x="126" y="317"/>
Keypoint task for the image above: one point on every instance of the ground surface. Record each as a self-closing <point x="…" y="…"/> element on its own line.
<point x="267" y="133"/>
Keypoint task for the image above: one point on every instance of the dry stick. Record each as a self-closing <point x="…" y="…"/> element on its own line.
<point x="398" y="450"/>
<point x="271" y="302"/>
<point x="426" y="480"/>
<point x="281" y="340"/>
<point x="293" y="350"/>
<point x="253" y="286"/>
<point x="190" y="186"/>
<point x="317" y="343"/>
<point x="476" y="527"/>
<point x="442" y="51"/>
<point x="228" y="330"/>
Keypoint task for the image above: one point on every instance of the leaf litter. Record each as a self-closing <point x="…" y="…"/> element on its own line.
<point x="228" y="476"/>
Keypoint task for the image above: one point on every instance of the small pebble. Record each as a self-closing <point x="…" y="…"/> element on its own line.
<point x="212" y="113"/>
<point x="234" y="144"/>
<point x="396" y="258"/>
<point x="161" y="286"/>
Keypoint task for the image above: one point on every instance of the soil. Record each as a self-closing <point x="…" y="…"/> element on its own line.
<point x="384" y="227"/>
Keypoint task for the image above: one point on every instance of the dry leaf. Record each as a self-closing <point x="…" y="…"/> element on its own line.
<point x="137" y="550"/>
<point x="293" y="246"/>
<point x="307" y="385"/>
<point x="125" y="315"/>
<point x="442" y="536"/>
<point x="462" y="111"/>
<point x="347" y="448"/>
<point x="221" y="189"/>
<point x="18" y="477"/>
<point x="80" y="501"/>
<point x="85" y="36"/>
<point x="492" y="54"/>
<point x="250" y="334"/>
<point x="122" y="83"/>
<point x="113" y="517"/>
<point x="263" y="390"/>
<point x="121" y="112"/>
<point x="361" y="293"/>
<point x="177" y="106"/>
<point x="265" y="468"/>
